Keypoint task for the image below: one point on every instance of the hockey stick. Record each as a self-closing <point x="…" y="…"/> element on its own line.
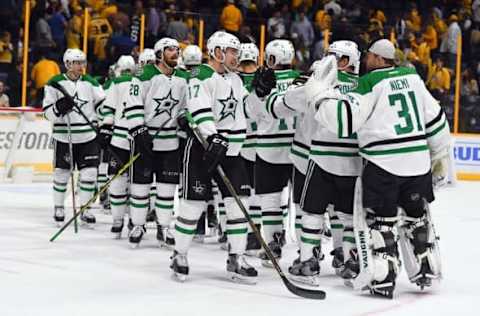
<point x="70" y="148"/>
<point x="306" y="293"/>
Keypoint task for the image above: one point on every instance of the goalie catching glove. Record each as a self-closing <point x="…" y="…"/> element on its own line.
<point x="216" y="151"/>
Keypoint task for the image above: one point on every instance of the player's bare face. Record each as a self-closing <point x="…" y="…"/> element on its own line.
<point x="231" y="58"/>
<point x="76" y="69"/>
<point x="170" y="55"/>
<point x="371" y="62"/>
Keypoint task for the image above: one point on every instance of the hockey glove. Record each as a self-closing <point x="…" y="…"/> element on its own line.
<point x="216" y="151"/>
<point x="63" y="106"/>
<point x="440" y="163"/>
<point x="264" y="81"/>
<point x="143" y="140"/>
<point x="105" y="136"/>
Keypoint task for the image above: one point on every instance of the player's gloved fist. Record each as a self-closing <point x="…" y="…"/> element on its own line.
<point x="143" y="140"/>
<point x="105" y="136"/>
<point x="216" y="151"/>
<point x="182" y="122"/>
<point x="264" y="81"/>
<point x="64" y="105"/>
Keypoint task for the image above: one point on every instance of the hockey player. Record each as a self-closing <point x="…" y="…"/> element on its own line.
<point x="248" y="64"/>
<point x="397" y="121"/>
<point x="191" y="57"/>
<point x="160" y="94"/>
<point x="273" y="168"/>
<point x="71" y="129"/>
<point x="147" y="57"/>
<point x="333" y="164"/>
<point x="215" y="101"/>
<point x="114" y="133"/>
<point x="102" y="178"/>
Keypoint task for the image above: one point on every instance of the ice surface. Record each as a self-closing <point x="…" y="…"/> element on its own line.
<point x="92" y="274"/>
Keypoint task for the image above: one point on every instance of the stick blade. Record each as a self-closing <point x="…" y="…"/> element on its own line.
<point x="303" y="292"/>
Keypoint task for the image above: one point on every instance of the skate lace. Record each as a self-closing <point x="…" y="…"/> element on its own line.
<point x="181" y="259"/>
<point x="243" y="263"/>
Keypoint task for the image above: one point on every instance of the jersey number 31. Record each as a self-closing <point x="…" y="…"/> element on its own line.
<point x="406" y="126"/>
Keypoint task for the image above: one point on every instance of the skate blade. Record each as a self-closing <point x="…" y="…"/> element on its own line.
<point x="59" y="224"/>
<point x="237" y="278"/>
<point x="134" y="245"/>
<point x="87" y="225"/>
<point x="117" y="236"/>
<point x="268" y="263"/>
<point x="312" y="281"/>
<point x="224" y="246"/>
<point x="164" y="245"/>
<point x="198" y="239"/>
<point x="179" y="277"/>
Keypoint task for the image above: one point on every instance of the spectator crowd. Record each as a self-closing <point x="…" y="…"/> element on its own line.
<point x="426" y="33"/>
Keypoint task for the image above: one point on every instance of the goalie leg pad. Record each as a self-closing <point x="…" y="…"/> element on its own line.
<point x="420" y="250"/>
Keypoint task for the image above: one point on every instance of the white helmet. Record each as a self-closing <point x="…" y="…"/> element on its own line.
<point x="192" y="55"/>
<point x="163" y="43"/>
<point x="126" y="63"/>
<point x="248" y="51"/>
<point x="346" y="48"/>
<point x="222" y="40"/>
<point x="282" y="50"/>
<point x="146" y="57"/>
<point x="71" y="55"/>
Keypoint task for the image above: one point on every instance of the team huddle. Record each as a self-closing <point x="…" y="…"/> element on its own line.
<point x="360" y="152"/>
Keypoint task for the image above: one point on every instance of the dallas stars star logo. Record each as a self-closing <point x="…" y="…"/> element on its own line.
<point x="165" y="104"/>
<point x="79" y="102"/>
<point x="229" y="106"/>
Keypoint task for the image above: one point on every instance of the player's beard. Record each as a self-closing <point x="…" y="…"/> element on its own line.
<point x="172" y="63"/>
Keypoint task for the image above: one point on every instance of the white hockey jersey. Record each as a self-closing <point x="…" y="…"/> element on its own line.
<point x="158" y="98"/>
<point x="397" y="121"/>
<point x="118" y="96"/>
<point x="87" y="94"/>
<point x="333" y="153"/>
<point x="274" y="134"/>
<point x="248" y="149"/>
<point x="216" y="102"/>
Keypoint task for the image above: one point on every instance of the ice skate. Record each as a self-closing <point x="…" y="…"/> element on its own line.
<point x="87" y="219"/>
<point x="164" y="237"/>
<point x="276" y="248"/>
<point x="240" y="271"/>
<point x="135" y="236"/>
<point x="59" y="215"/>
<point x="105" y="202"/>
<point x="337" y="260"/>
<point x="179" y="266"/>
<point x="117" y="228"/>
<point x="306" y="272"/>
<point x="253" y="244"/>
